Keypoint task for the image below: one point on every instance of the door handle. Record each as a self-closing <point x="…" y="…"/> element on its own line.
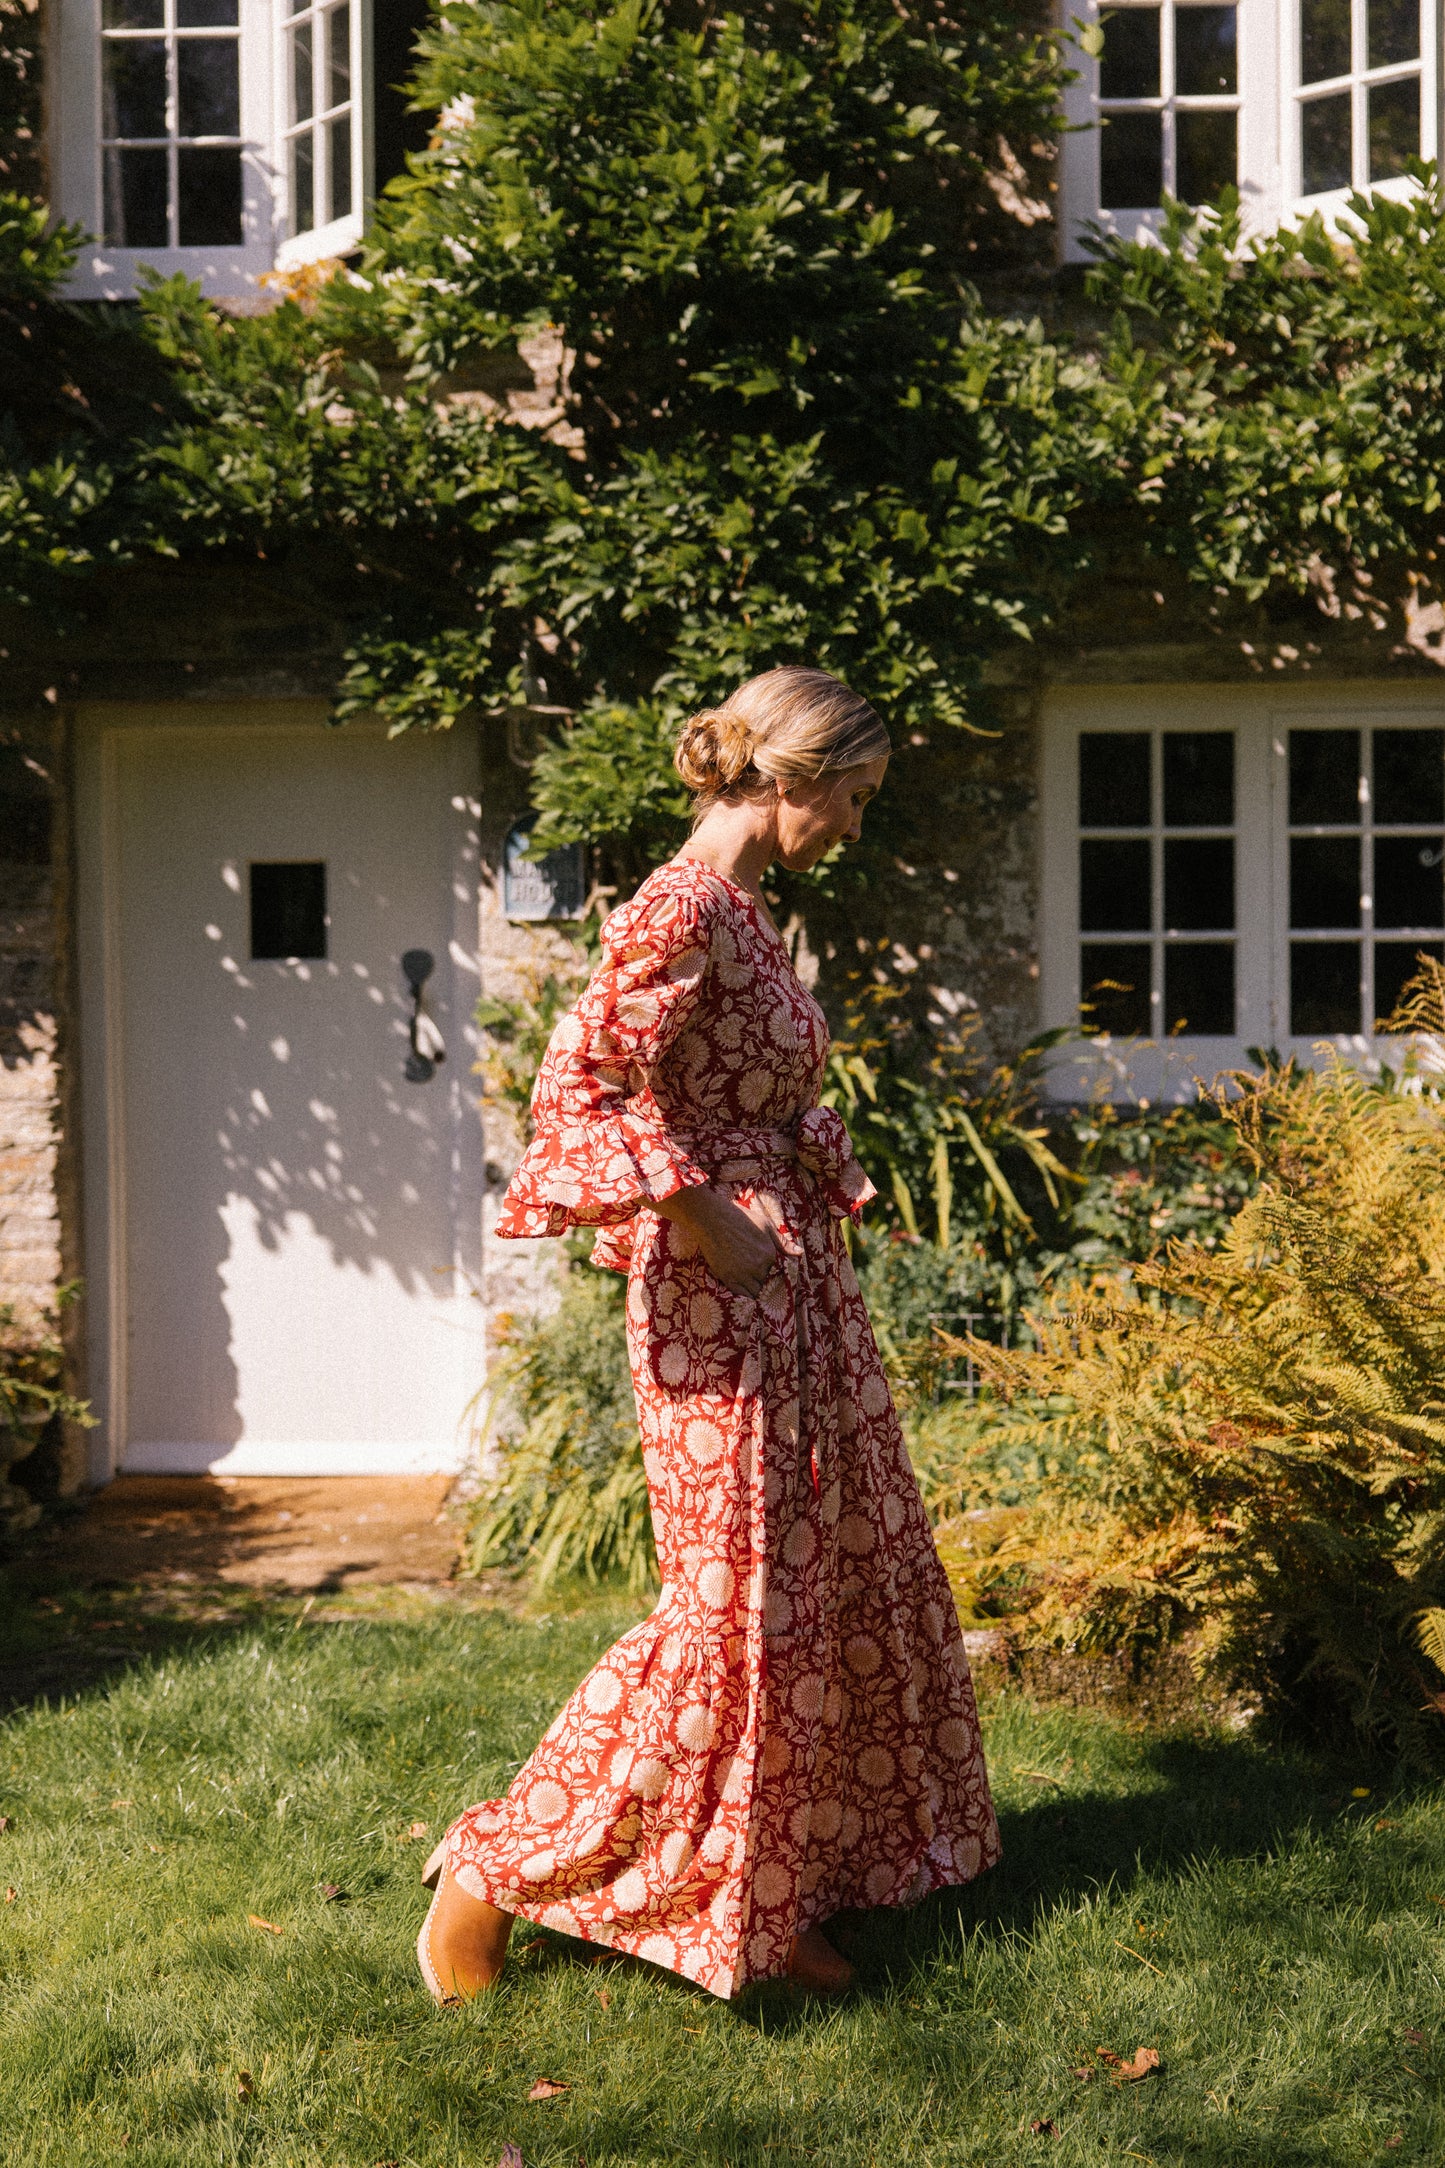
<point x="427" y="1045"/>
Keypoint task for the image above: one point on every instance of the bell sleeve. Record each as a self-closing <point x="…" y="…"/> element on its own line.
<point x="601" y="1146"/>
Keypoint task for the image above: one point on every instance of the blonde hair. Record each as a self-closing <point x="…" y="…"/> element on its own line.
<point x="786" y="726"/>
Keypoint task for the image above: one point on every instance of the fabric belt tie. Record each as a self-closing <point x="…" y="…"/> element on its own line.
<point x="818" y="1142"/>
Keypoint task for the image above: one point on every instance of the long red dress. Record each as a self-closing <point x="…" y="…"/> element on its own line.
<point x="793" y="1729"/>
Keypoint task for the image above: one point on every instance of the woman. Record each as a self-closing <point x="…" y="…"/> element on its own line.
<point x="792" y="1730"/>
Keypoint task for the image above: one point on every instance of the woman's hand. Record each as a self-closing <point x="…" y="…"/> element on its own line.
<point x="738" y="1244"/>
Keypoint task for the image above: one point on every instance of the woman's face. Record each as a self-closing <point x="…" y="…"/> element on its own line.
<point x="813" y="817"/>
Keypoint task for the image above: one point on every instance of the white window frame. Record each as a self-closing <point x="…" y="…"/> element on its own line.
<point x="337" y="235"/>
<point x="231" y="273"/>
<point x="1331" y="202"/>
<point x="1165" y="1070"/>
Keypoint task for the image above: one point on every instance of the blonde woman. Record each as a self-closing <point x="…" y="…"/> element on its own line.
<point x="792" y="1731"/>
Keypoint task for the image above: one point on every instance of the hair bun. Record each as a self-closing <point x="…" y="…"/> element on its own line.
<point x="714" y="751"/>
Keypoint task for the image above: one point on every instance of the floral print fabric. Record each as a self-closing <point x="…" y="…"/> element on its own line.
<point x="792" y="1731"/>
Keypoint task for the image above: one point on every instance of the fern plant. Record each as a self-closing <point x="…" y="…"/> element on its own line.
<point x="1249" y="1440"/>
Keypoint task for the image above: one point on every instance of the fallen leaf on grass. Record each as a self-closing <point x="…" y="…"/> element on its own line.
<point x="1044" y="2126"/>
<point x="1384" y="1824"/>
<point x="417" y="1831"/>
<point x="11" y="1895"/>
<point x="4" y="1821"/>
<point x="1391" y="2143"/>
<point x="604" y="1996"/>
<point x="117" y="1804"/>
<point x="1139" y="2065"/>
<point x="547" y="2089"/>
<point x="1084" y="2076"/>
<point x="1130" y="1952"/>
<point x="332" y="1893"/>
<point x="267" y="1927"/>
<point x="511" y="2157"/>
<point x="245" y="2085"/>
<point x="1415" y="2038"/>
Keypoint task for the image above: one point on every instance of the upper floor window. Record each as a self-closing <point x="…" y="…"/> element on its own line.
<point x="1359" y="92"/>
<point x="1297" y="102"/>
<point x="224" y="137"/>
<point x="1168" y="103"/>
<point x="171" y="123"/>
<point x="323" y="155"/>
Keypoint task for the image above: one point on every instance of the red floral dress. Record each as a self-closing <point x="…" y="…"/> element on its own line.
<point x="792" y="1730"/>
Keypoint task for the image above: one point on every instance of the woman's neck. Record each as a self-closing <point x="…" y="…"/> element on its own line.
<point x="739" y="841"/>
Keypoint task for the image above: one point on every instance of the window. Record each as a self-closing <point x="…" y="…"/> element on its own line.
<point x="1366" y="888"/>
<point x="288" y="911"/>
<point x="1168" y="103"/>
<point x="322" y="155"/>
<point x="171" y="123"/>
<point x="224" y="137"/>
<point x="1156" y="881"/>
<point x="1359" y="97"/>
<point x="1234" y="869"/>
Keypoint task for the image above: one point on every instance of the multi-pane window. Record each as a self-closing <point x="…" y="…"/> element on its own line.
<point x="171" y="123"/>
<point x="1366" y="888"/>
<point x="320" y="90"/>
<point x="1156" y="814"/>
<point x="1359" y="92"/>
<point x="1168" y="103"/>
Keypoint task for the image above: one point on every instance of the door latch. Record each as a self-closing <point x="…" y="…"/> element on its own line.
<point x="427" y="1045"/>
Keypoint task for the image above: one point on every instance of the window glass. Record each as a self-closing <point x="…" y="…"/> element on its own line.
<point x="288" y="911"/>
<point x="1408" y="887"/>
<point x="208" y="190"/>
<point x="135" y="87"/>
<point x="1394" y="126"/>
<point x="1198" y="778"/>
<point x="208" y="87"/>
<point x="1396" y="963"/>
<point x="1324" y="987"/>
<point x="1129" y="63"/>
<point x="1324" y="881"/>
<point x="1114" y="779"/>
<point x="1131" y="161"/>
<point x="1409" y="776"/>
<point x="1393" y="32"/>
<point x="1205" y="153"/>
<point x="1115" y="886"/>
<point x="1324" y="777"/>
<point x="136" y="198"/>
<point x="1199" y="989"/>
<point x="1204" y="55"/>
<point x="1199" y="884"/>
<point x="1115" y="983"/>
<point x="1324" y="39"/>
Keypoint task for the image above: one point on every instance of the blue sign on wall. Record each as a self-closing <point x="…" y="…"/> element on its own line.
<point x="543" y="888"/>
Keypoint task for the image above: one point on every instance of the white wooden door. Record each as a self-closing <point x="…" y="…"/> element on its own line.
<point x="291" y="1205"/>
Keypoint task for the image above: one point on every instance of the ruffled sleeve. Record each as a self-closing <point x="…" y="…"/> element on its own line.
<point x="601" y="1147"/>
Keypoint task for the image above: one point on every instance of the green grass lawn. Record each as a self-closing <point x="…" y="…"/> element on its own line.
<point x="1279" y="1942"/>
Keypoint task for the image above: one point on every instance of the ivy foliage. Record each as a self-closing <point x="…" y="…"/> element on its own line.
<point x="786" y="424"/>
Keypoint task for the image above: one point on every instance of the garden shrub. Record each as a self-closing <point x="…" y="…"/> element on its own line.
<point x="1247" y="1441"/>
<point x="566" y="1493"/>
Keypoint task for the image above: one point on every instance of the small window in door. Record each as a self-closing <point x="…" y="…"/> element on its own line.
<point x="288" y="911"/>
